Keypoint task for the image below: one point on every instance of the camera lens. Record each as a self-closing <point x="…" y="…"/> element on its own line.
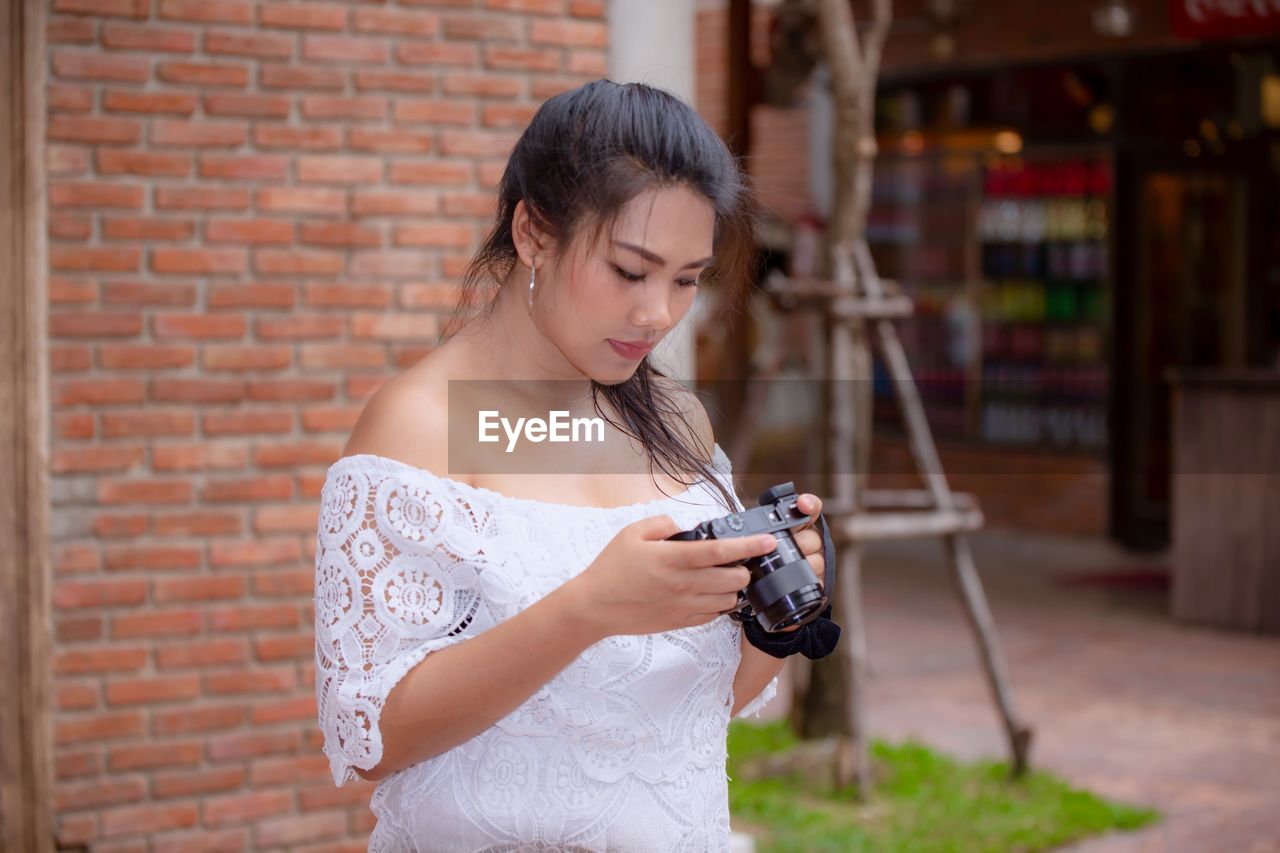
<point x="795" y="608"/>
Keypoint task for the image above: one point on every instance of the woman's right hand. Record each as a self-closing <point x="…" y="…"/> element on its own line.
<point x="643" y="584"/>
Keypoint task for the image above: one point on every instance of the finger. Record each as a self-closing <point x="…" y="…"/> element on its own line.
<point x="808" y="541"/>
<point x="656" y="527"/>
<point x="819" y="566"/>
<point x="717" y="604"/>
<point x="717" y="552"/>
<point x="811" y="505"/>
<point x="718" y="581"/>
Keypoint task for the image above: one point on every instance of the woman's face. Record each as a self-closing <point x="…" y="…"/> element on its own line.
<point x="632" y="286"/>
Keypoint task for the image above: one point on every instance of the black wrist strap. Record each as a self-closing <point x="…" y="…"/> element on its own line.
<point x="815" y="639"/>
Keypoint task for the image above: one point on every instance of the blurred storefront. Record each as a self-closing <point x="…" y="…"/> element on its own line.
<point x="1078" y="200"/>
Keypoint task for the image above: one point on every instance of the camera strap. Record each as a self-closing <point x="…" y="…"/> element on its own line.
<point x="828" y="558"/>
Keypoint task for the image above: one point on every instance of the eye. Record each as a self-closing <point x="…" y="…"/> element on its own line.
<point x="687" y="282"/>
<point x="626" y="275"/>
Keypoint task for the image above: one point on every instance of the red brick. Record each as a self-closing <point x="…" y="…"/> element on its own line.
<point x="397" y="22"/>
<point x="249" y="106"/>
<point x="155" y="755"/>
<point x="200" y="588"/>
<point x="170" y="623"/>
<point x="148" y="39"/>
<point x="237" y="357"/>
<point x="296" y="453"/>
<point x="99" y="660"/>
<point x="301" y="200"/>
<point x="152" y="558"/>
<point x="122" y="259"/>
<point x="113" y="161"/>
<point x="280" y="771"/>
<point x="292" y="262"/>
<point x="139" y="691"/>
<point x="389" y="264"/>
<point x="248" y="489"/>
<point x="75" y="559"/>
<point x="592" y="63"/>
<point x="208" y="11"/>
<point x="285" y="519"/>
<point x="63" y="97"/>
<point x="198" y="457"/>
<point x="199" y="262"/>
<point x="395" y="203"/>
<point x="534" y="7"/>
<point x="437" y="54"/>
<point x="261" y="45"/>
<point x="149" y="423"/>
<point x="194" y="783"/>
<point x="259" y="295"/>
<point x="75" y="697"/>
<point x="95" y="324"/>
<point x="339" y="234"/>
<point x="394" y="326"/>
<point x="482" y="85"/>
<point x="305" y="138"/>
<point x="318" y="16"/>
<point x="272" y="648"/>
<point x="394" y="81"/>
<point x="143" y="820"/>
<point x="211" y="839"/>
<point x="70" y="359"/>
<point x="98" y="727"/>
<point x="339" y="419"/>
<point x="298" y="326"/>
<point x="99" y="66"/>
<point x="120" y="525"/>
<point x="334" y="356"/>
<point x="76" y="829"/>
<point x="507" y="58"/>
<point x="198" y="719"/>
<point x="242" y="808"/>
<point x="487" y="28"/>
<point x="66" y="160"/>
<point x="234" y="168"/>
<point x="246" y="422"/>
<point x="456" y="234"/>
<point x="100" y="458"/>
<point x="390" y="140"/>
<point x="71" y="765"/>
<point x="293" y="390"/>
<point x="69" y="128"/>
<point x="327" y="796"/>
<point x="292" y="77"/>
<point x="201" y="198"/>
<point x="250" y="618"/>
<point x="569" y="33"/>
<point x="197" y="524"/>
<point x="347" y="295"/>
<point x="146" y="228"/>
<point x="431" y="172"/>
<point x="587" y="8"/>
<point x="287" y="584"/>
<point x="124" y="101"/>
<point x="299" y="829"/>
<point x="130" y="491"/>
<point x="339" y="169"/>
<point x="69" y="594"/>
<point x="92" y="795"/>
<point x="148" y="293"/>
<point x="216" y="74"/>
<point x="198" y="326"/>
<point x="236" y="747"/>
<point x="95" y="194"/>
<point x="197" y="390"/>
<point x="295" y="709"/>
<point x="362" y="107"/>
<point x="71" y="31"/>
<point x="248" y="231"/>
<point x="260" y="551"/>
<point x="344" y="49"/>
<point x="145" y="358"/>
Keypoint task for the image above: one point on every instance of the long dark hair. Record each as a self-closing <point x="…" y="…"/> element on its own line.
<point x="585" y="155"/>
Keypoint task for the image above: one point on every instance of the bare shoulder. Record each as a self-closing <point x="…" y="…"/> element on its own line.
<point x="694" y="412"/>
<point x="406" y="419"/>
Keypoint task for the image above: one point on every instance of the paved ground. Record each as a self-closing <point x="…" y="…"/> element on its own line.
<point x="1124" y="701"/>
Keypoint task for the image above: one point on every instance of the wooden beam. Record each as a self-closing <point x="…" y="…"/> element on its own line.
<point x="26" y="775"/>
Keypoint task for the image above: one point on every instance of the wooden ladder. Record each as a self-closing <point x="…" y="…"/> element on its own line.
<point x="855" y="299"/>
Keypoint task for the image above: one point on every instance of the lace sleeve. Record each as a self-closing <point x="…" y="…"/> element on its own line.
<point x="720" y="461"/>
<point x="396" y="579"/>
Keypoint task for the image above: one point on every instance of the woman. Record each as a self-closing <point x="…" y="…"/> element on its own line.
<point x="524" y="661"/>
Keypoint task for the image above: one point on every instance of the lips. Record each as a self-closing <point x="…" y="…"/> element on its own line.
<point x="631" y="349"/>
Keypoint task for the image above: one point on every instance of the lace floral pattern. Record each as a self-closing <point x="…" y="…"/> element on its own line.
<point x="623" y="749"/>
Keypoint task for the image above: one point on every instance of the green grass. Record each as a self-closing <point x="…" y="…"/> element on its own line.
<point x="923" y="801"/>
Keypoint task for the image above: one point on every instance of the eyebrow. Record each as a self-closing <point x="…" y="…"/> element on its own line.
<point x="657" y="259"/>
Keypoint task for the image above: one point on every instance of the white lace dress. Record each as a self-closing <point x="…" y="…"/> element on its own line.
<point x="623" y="750"/>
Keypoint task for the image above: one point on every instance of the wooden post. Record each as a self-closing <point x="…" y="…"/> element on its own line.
<point x="26" y="775"/>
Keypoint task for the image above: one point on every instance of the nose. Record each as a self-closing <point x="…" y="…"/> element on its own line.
<point x="653" y="307"/>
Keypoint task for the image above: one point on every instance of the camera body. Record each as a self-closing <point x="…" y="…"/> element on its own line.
<point x="783" y="590"/>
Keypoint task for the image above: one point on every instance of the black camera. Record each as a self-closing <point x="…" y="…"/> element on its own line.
<point x="783" y="590"/>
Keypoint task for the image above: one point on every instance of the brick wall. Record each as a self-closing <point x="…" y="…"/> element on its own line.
<point x="256" y="212"/>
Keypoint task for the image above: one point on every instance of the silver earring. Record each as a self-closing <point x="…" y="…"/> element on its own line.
<point x="533" y="279"/>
